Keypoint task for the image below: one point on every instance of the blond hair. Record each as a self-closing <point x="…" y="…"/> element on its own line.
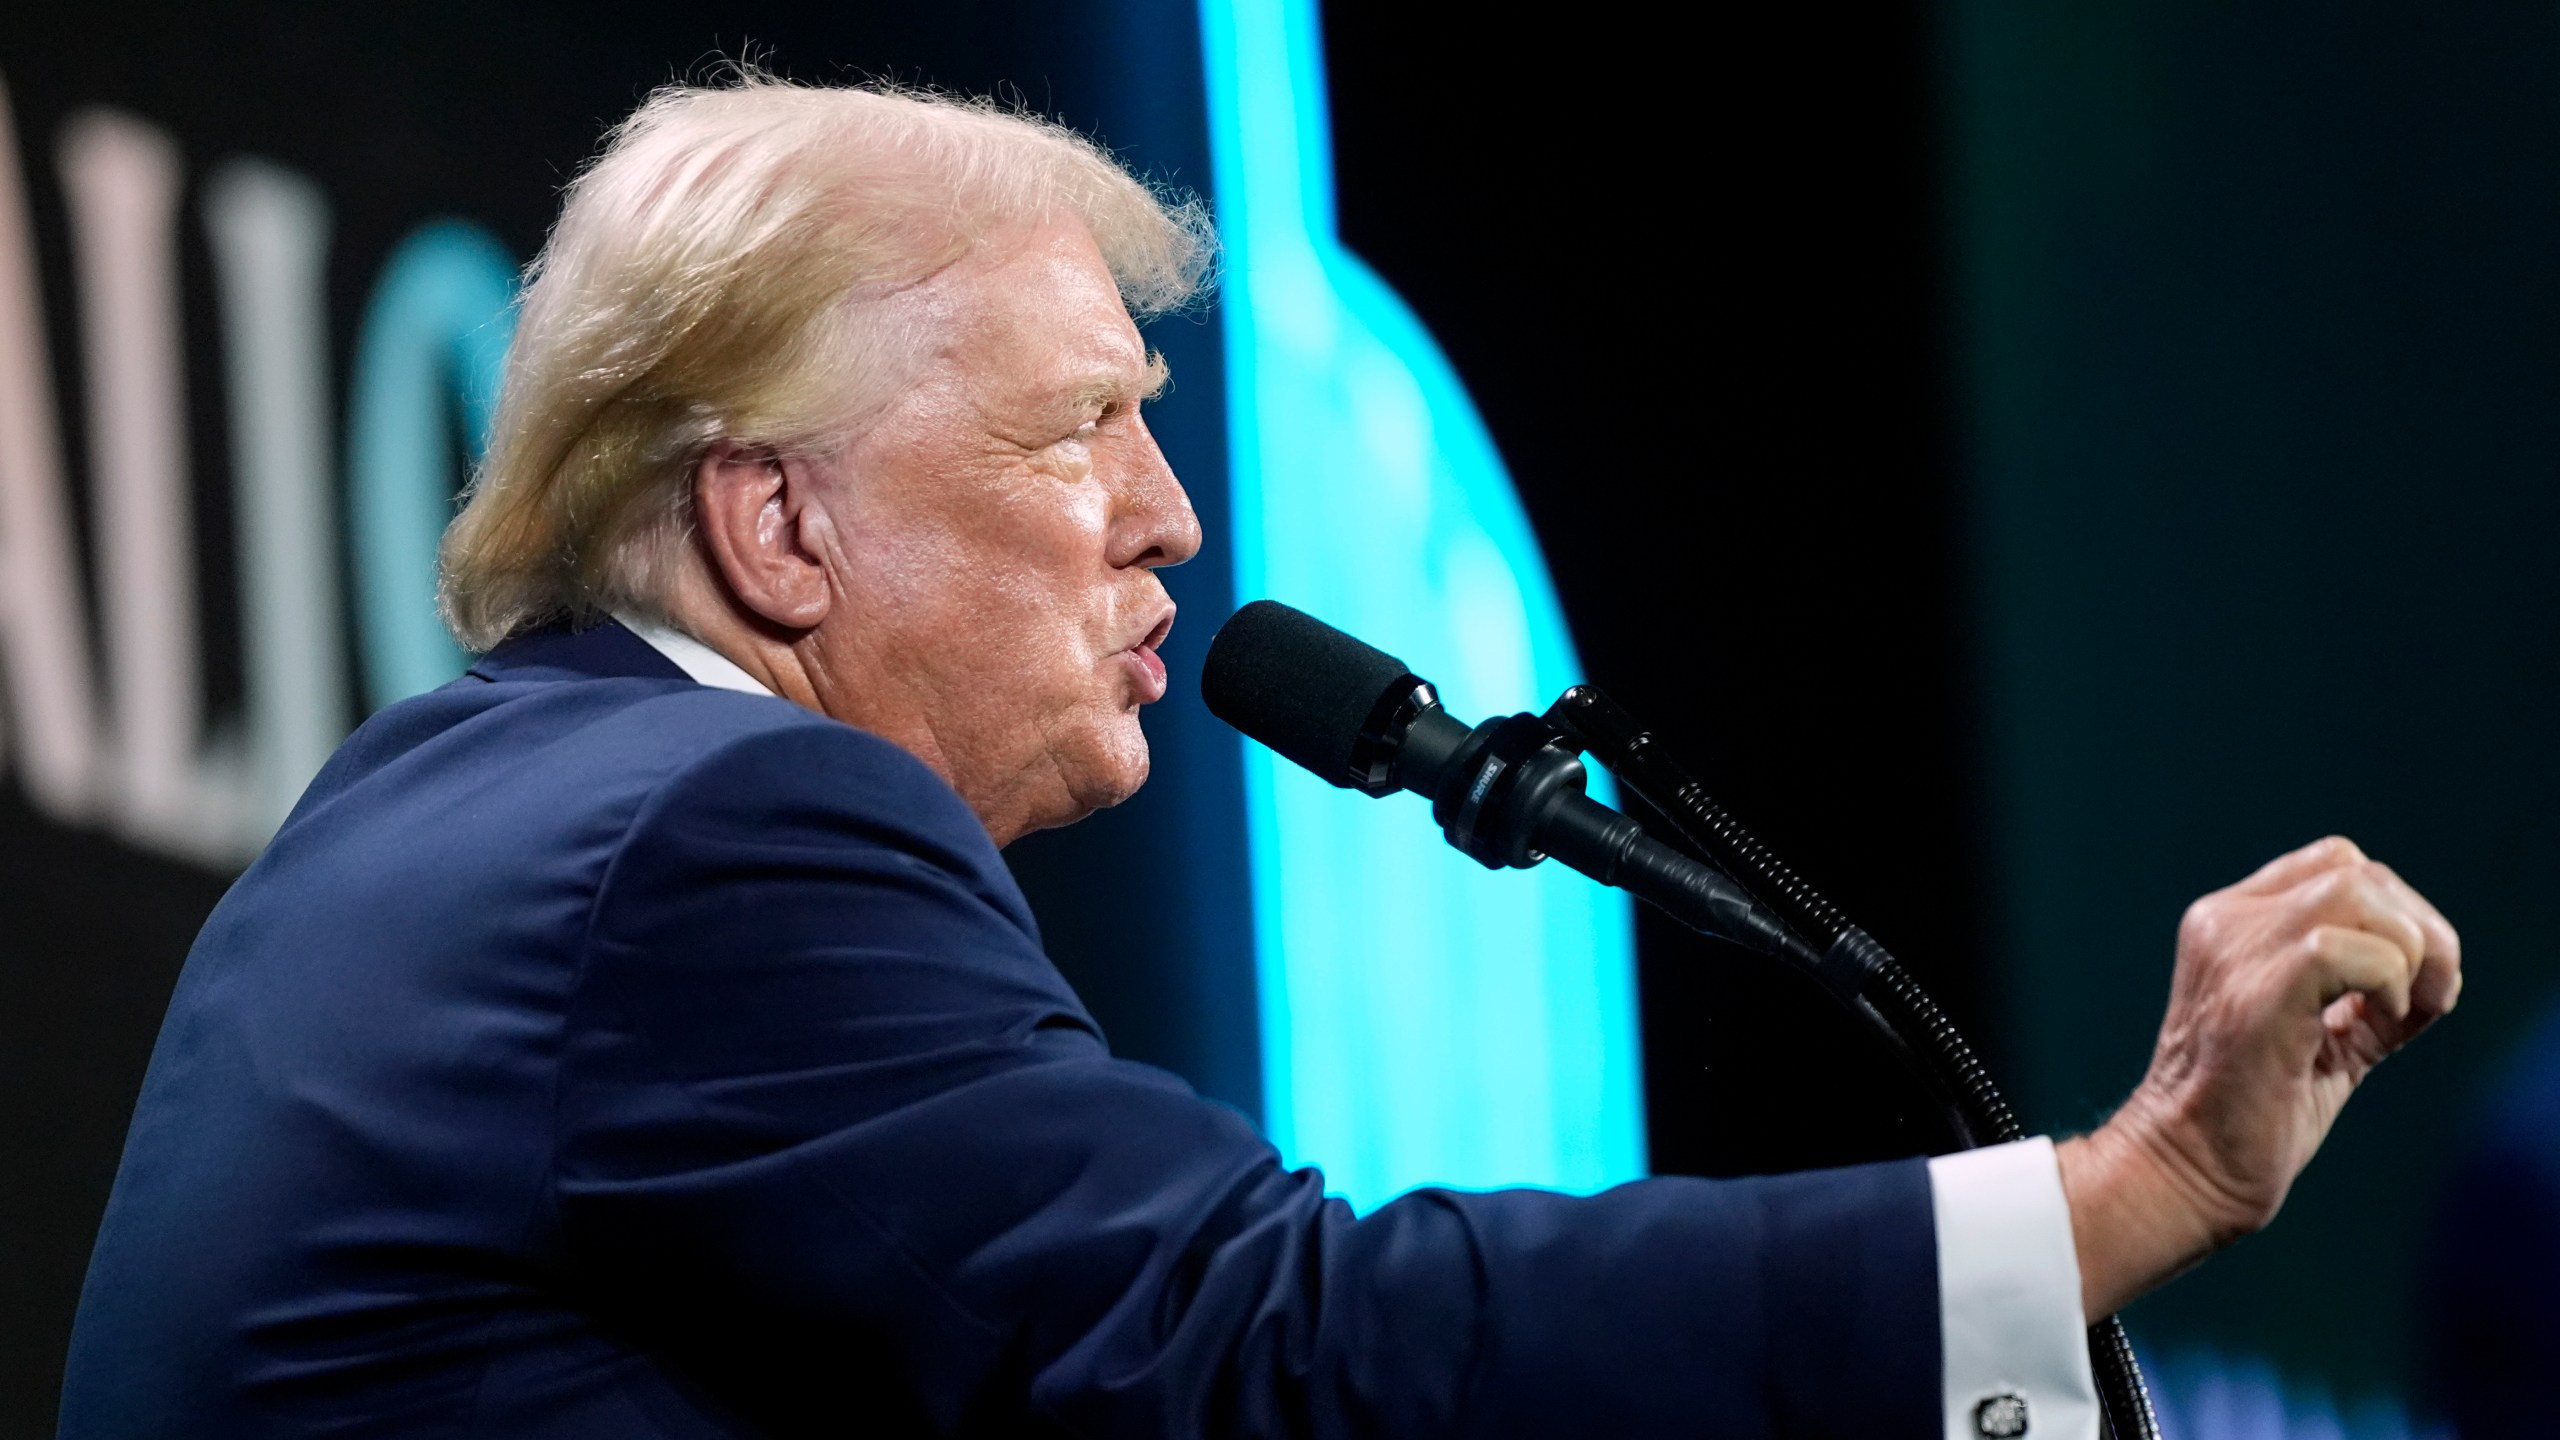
<point x="708" y="280"/>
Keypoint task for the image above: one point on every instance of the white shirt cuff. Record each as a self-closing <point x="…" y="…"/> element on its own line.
<point x="2015" y="1346"/>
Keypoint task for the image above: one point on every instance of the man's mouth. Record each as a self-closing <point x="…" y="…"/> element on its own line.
<point x="1151" y="675"/>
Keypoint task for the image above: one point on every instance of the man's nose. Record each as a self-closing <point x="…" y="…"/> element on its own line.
<point x="1158" y="525"/>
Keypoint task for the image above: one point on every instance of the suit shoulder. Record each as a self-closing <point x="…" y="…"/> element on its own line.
<point x="773" y="793"/>
<point x="757" y="741"/>
<point x="766" y="767"/>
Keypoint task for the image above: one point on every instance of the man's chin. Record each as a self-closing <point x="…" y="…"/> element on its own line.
<point x="1116" y="779"/>
<point x="1103" y="780"/>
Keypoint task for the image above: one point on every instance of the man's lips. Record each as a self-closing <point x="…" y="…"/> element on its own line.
<point x="1150" y="673"/>
<point x="1150" y="665"/>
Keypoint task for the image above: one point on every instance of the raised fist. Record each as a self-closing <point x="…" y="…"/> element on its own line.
<point x="2290" y="987"/>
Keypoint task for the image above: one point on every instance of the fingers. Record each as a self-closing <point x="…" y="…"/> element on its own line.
<point x="2345" y="959"/>
<point x="2440" y="931"/>
<point x="2439" y="982"/>
<point x="2366" y="934"/>
<point x="2369" y="896"/>
<point x="2358" y="896"/>
<point x="2437" y="991"/>
<point x="2332" y="852"/>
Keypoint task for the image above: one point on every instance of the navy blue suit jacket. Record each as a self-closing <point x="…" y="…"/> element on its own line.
<point x="594" y="1053"/>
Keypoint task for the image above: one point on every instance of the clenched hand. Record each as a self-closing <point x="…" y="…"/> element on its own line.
<point x="2290" y="987"/>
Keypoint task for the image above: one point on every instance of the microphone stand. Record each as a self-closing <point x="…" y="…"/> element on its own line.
<point x="1857" y="970"/>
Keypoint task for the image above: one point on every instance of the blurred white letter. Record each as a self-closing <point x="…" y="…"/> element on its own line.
<point x="122" y="179"/>
<point x="270" y="234"/>
<point x="43" y="640"/>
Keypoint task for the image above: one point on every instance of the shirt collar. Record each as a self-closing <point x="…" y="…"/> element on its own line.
<point x="706" y="665"/>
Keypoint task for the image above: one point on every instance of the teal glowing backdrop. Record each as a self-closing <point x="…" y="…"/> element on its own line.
<point x="434" y="340"/>
<point x="1424" y="1021"/>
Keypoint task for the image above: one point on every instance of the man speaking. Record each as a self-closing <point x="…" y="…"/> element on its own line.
<point x="642" y="1037"/>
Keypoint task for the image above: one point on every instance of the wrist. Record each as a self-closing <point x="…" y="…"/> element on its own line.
<point x="2137" y="1217"/>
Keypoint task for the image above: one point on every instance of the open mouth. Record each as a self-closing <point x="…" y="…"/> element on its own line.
<point x="1151" y="674"/>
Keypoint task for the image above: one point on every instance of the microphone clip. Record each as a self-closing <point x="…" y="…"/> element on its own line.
<point x="1495" y="793"/>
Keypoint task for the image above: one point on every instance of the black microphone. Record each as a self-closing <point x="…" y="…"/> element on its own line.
<point x="1508" y="792"/>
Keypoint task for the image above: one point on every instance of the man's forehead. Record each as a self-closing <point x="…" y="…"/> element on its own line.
<point x="1044" y="313"/>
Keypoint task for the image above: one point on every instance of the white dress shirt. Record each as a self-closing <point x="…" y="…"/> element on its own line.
<point x="2015" y="1347"/>
<point x="706" y="665"/>
<point x="2016" y="1358"/>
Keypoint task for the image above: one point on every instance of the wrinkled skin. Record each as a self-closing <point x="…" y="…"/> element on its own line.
<point x="973" y="576"/>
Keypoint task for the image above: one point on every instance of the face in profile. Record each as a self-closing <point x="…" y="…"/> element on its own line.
<point x="1000" y="524"/>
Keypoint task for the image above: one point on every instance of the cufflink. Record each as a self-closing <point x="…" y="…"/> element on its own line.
<point x="2001" y="1417"/>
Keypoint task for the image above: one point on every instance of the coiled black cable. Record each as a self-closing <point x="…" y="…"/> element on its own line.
<point x="1857" y="969"/>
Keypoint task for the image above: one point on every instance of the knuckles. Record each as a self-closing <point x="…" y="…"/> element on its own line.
<point x="2284" y="930"/>
<point x="2202" y="924"/>
<point x="2348" y="887"/>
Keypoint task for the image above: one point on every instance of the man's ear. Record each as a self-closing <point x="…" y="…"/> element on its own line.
<point x="754" y="510"/>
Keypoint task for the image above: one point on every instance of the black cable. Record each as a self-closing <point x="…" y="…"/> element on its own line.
<point x="1857" y="969"/>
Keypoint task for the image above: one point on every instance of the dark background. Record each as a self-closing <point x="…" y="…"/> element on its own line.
<point x="2035" y="465"/>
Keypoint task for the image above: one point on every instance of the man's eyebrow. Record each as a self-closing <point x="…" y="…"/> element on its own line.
<point x="1105" y="391"/>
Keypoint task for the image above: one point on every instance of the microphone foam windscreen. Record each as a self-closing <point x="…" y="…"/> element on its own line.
<point x="1297" y="685"/>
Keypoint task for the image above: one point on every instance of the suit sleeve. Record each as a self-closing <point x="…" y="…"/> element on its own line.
<point x="837" y="1140"/>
